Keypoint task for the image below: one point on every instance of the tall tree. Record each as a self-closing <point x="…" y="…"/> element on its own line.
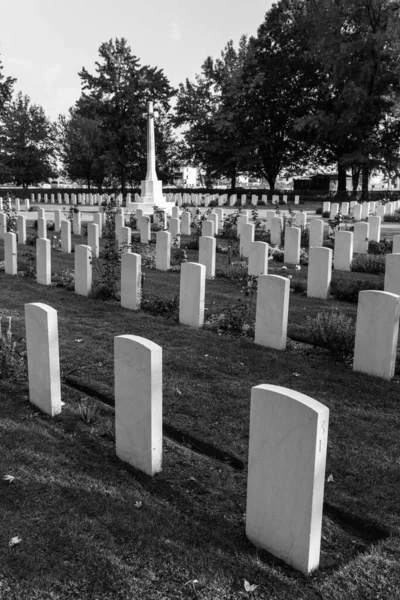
<point x="27" y="143"/>
<point x="356" y="43"/>
<point x="118" y="94"/>
<point x="6" y="89"/>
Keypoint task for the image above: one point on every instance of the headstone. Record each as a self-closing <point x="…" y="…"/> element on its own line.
<point x="131" y="280"/>
<point x="43" y="261"/>
<point x="76" y="223"/>
<point x="41" y="213"/>
<point x="357" y="212"/>
<point x="286" y="474"/>
<point x="66" y="237"/>
<point x="93" y="239"/>
<point x="52" y="199"/>
<point x="208" y="229"/>
<point x="27" y="204"/>
<point x="125" y="239"/>
<point x="246" y="239"/>
<point x="215" y="219"/>
<point x="43" y="357"/>
<point x="343" y="251"/>
<point x="316" y="232"/>
<point x="57" y="221"/>
<point x="175" y="212"/>
<point x="377" y="331"/>
<point x="301" y="219"/>
<point x="396" y="244"/>
<point x="319" y="272"/>
<point x="272" y="311"/>
<point x="21" y="225"/>
<point x="264" y="199"/>
<point x="17" y="204"/>
<point x="361" y="234"/>
<point x="192" y="294"/>
<point x="269" y="215"/>
<point x="292" y="245"/>
<point x="345" y="209"/>
<point x="175" y="230"/>
<point x="186" y="218"/>
<point x="276" y="228"/>
<point x="242" y="220"/>
<point x="83" y="270"/>
<point x="42" y="228"/>
<point x="381" y="210"/>
<point x="258" y="259"/>
<point x="119" y="222"/>
<point x="334" y="209"/>
<point x="392" y="274"/>
<point x="207" y="249"/>
<point x="374" y="228"/>
<point x="364" y="210"/>
<point x="163" y="250"/>
<point x="10" y="253"/>
<point x="220" y="213"/>
<point x="326" y="207"/>
<point x="138" y="402"/>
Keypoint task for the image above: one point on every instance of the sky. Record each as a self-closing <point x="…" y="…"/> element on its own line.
<point x="45" y="43"/>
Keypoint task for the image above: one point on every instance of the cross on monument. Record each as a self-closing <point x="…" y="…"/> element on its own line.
<point x="151" y="174"/>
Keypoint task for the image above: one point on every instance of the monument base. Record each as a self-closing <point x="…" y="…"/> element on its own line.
<point x="151" y="196"/>
<point x="148" y="209"/>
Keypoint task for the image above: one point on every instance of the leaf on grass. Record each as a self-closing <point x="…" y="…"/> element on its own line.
<point x="179" y="392"/>
<point x="8" y="478"/>
<point x="138" y="504"/>
<point x="192" y="581"/>
<point x="330" y="478"/>
<point x="296" y="374"/>
<point x="78" y="341"/>
<point x="206" y="355"/>
<point x="249" y="587"/>
<point x="14" y="541"/>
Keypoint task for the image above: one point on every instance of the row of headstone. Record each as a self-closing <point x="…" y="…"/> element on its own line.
<point x="17" y="204"/>
<point x="287" y="441"/>
<point x="85" y="199"/>
<point x="360" y="211"/>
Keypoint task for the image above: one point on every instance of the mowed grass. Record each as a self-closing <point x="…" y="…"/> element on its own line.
<point x="74" y="504"/>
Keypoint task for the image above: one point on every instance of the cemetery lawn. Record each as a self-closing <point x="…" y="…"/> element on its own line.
<point x="93" y="528"/>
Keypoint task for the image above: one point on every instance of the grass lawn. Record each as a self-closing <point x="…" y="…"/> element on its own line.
<point x="93" y="528"/>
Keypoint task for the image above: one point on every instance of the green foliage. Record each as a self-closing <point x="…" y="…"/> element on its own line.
<point x="157" y="305"/>
<point x="107" y="266"/>
<point x="236" y="321"/>
<point x="65" y="279"/>
<point x="383" y="247"/>
<point x="6" y="89"/>
<point x="28" y="263"/>
<point x="368" y="263"/>
<point x="333" y="331"/>
<point x="12" y="356"/>
<point x="348" y="290"/>
<point x="11" y="214"/>
<point x="299" y="286"/>
<point x="88" y="410"/>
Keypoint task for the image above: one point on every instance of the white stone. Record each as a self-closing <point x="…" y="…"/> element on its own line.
<point x="77" y="223"/>
<point x="292" y="245"/>
<point x="10" y="253"/>
<point x="175" y="231"/>
<point x="43" y="261"/>
<point x="334" y="209"/>
<point x="258" y="259"/>
<point x="364" y="210"/>
<point x="242" y="220"/>
<point x="119" y="222"/>
<point x="83" y="270"/>
<point x="42" y="228"/>
<point x="316" y="232"/>
<point x="345" y="209"/>
<point x="301" y="219"/>
<point x="374" y="228"/>
<point x="43" y="357"/>
<point x="131" y="280"/>
<point x="357" y="212"/>
<point x="21" y="226"/>
<point x="192" y="294"/>
<point x="377" y="331"/>
<point x="297" y="199"/>
<point x="208" y="229"/>
<point x="145" y="230"/>
<point x="286" y="474"/>
<point x="343" y="251"/>
<point x="319" y="272"/>
<point x="66" y="237"/>
<point x="272" y="311"/>
<point x="276" y="229"/>
<point x="246" y="238"/>
<point x="186" y="218"/>
<point x="361" y="234"/>
<point x="381" y="210"/>
<point x="3" y="225"/>
<point x="392" y="274"/>
<point x="125" y="239"/>
<point x="17" y="204"/>
<point x="396" y="244"/>
<point x="138" y="402"/>
<point x="93" y="239"/>
<point x="326" y="207"/>
<point x="163" y="250"/>
<point x="57" y="221"/>
<point x="175" y="212"/>
<point x="207" y="249"/>
<point x="215" y="219"/>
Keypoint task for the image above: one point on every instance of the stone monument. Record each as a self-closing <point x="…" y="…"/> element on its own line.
<point x="151" y="187"/>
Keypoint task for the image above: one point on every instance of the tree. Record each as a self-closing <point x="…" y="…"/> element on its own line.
<point x="118" y="94"/>
<point x="6" y="89"/>
<point x="27" y="143"/>
<point x="212" y="111"/>
<point x="356" y="43"/>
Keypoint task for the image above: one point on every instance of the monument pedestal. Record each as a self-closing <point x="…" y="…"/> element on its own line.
<point x="151" y="196"/>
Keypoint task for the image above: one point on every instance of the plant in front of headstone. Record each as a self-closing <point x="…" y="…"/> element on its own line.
<point x="28" y="263"/>
<point x="383" y="247"/>
<point x="333" y="331"/>
<point x="65" y="279"/>
<point x="107" y="266"/>
<point x="334" y="225"/>
<point x="12" y="356"/>
<point x="229" y="226"/>
<point x="275" y="253"/>
<point x="88" y="410"/>
<point x="304" y="237"/>
<point x="348" y="290"/>
<point x="11" y="213"/>
<point x="237" y="321"/>
<point x="368" y="263"/>
<point x="157" y="305"/>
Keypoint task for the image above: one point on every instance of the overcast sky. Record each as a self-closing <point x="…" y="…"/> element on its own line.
<point x="44" y="43"/>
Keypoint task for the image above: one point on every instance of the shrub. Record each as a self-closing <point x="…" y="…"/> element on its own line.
<point x="12" y="357"/>
<point x="383" y="247"/>
<point x="157" y="305"/>
<point x="299" y="286"/>
<point x="28" y="265"/>
<point x="275" y="253"/>
<point x="333" y="331"/>
<point x="84" y="229"/>
<point x="368" y="263"/>
<point x="346" y="290"/>
<point x="326" y="214"/>
<point x="31" y="240"/>
<point x="394" y="218"/>
<point x="65" y="279"/>
<point x="88" y="410"/>
<point x="305" y="237"/>
<point x="50" y="225"/>
<point x="11" y="214"/>
<point x="234" y="321"/>
<point x="318" y="210"/>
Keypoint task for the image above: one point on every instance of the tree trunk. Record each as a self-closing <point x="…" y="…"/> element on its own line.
<point x="88" y="184"/>
<point x="355" y="178"/>
<point x="233" y="180"/>
<point x="341" y="189"/>
<point x="123" y="184"/>
<point x="365" y="180"/>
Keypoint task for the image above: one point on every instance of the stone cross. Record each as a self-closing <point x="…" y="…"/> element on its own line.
<point x="151" y="114"/>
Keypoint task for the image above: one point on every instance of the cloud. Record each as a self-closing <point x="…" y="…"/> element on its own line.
<point x="175" y="32"/>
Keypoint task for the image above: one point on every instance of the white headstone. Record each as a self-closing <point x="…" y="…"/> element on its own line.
<point x="21" y="225"/>
<point x="276" y="228"/>
<point x="43" y="357"/>
<point x="10" y="253"/>
<point x="377" y="331"/>
<point x="163" y="250"/>
<point x="319" y="272"/>
<point x="83" y="270"/>
<point x="57" y="221"/>
<point x="192" y="294"/>
<point x="186" y="218"/>
<point x="138" y="402"/>
<point x="316" y="232"/>
<point x="66" y="237"/>
<point x="131" y="280"/>
<point x="292" y="245"/>
<point x="3" y="225"/>
<point x="42" y="228"/>
<point x="272" y="311"/>
<point x="286" y="474"/>
<point x="361" y="235"/>
<point x="343" y="251"/>
<point x="246" y="238"/>
<point x="207" y="249"/>
<point x="77" y="223"/>
<point x="43" y="261"/>
<point x="374" y="228"/>
<point x="357" y="212"/>
<point x="125" y="239"/>
<point x="258" y="259"/>
<point x="208" y="229"/>
<point x="396" y="244"/>
<point x="175" y="230"/>
<point x="392" y="274"/>
<point x="93" y="239"/>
